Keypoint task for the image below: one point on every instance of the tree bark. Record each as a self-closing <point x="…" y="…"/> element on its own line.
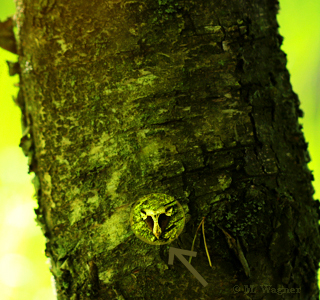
<point x="190" y="99"/>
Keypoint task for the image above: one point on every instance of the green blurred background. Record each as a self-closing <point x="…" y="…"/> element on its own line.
<point x="24" y="270"/>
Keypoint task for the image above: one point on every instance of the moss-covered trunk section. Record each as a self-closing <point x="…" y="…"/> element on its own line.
<point x="190" y="99"/>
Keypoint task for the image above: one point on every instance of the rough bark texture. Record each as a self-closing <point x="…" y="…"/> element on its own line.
<point x="187" y="98"/>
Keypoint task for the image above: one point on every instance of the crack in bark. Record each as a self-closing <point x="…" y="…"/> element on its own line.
<point x="169" y="122"/>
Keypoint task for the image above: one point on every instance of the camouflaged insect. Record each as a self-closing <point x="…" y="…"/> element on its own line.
<point x="157" y="219"/>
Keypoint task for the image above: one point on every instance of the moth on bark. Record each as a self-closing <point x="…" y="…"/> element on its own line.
<point x="157" y="219"/>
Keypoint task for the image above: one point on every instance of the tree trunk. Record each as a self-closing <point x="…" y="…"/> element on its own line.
<point x="189" y="99"/>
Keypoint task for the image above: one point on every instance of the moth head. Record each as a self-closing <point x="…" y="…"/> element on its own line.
<point x="157" y="220"/>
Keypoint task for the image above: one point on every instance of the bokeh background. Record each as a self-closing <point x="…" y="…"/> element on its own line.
<point x="24" y="269"/>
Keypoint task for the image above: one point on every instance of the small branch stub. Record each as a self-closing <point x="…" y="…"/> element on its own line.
<point x="157" y="219"/>
<point x="7" y="38"/>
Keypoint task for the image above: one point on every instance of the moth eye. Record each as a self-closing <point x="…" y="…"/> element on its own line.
<point x="143" y="214"/>
<point x="169" y="211"/>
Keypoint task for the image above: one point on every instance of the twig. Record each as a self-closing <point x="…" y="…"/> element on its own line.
<point x="205" y="243"/>
<point x="194" y="239"/>
<point x="235" y="245"/>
